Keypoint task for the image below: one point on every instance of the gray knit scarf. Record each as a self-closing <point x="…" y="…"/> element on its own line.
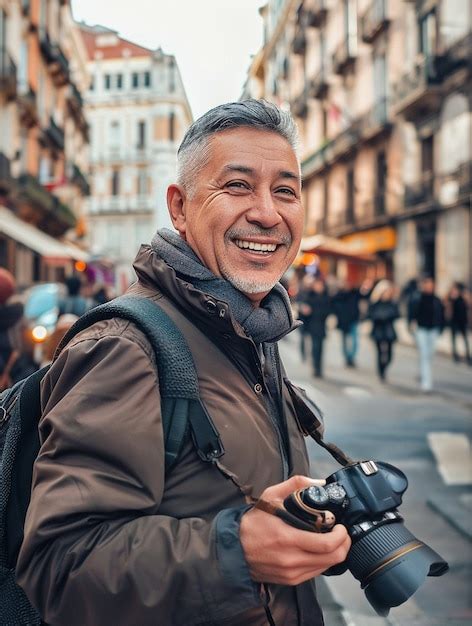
<point x="269" y="322"/>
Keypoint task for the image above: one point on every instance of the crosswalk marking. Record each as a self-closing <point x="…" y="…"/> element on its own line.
<point x="453" y="456"/>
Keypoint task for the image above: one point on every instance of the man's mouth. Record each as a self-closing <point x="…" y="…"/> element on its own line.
<point x="254" y="246"/>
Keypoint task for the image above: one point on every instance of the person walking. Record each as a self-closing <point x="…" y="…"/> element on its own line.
<point x="383" y="311"/>
<point x="16" y="360"/>
<point x="346" y="309"/>
<point x="427" y="314"/>
<point x="303" y="312"/>
<point x="317" y="307"/>
<point x="73" y="303"/>
<point x="110" y="537"/>
<point x="457" y="319"/>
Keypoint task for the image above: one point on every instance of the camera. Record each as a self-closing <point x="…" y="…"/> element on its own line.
<point x="387" y="559"/>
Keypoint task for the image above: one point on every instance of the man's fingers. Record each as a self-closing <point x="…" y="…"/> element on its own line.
<point x="282" y="490"/>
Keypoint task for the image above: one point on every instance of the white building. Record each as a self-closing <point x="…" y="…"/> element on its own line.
<point x="138" y="113"/>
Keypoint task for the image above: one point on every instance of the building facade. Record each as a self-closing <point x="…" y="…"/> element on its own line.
<point x="138" y="112"/>
<point x="382" y="93"/>
<point x="43" y="139"/>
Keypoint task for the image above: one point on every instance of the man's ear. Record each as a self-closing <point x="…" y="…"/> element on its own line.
<point x="176" y="198"/>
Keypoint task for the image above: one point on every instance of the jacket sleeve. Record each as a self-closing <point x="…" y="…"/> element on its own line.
<point x="96" y="551"/>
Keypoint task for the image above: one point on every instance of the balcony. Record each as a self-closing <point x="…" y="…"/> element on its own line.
<point x="5" y="175"/>
<point x="27" y="108"/>
<point x="420" y="193"/>
<point x="343" y="145"/>
<point x="75" y="97"/>
<point x="54" y="216"/>
<point x="418" y="92"/>
<point x="299" y="106"/>
<point x="314" y="163"/>
<point x="457" y="55"/>
<point x="345" y="55"/>
<point x="299" y="42"/>
<point x="375" y="122"/>
<point x="53" y="135"/>
<point x="316" y="13"/>
<point x="79" y="179"/>
<point x="56" y="60"/>
<point x="374" y="21"/>
<point x="318" y="86"/>
<point x="7" y="75"/>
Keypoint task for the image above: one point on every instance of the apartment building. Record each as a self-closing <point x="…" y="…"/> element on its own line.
<point x="381" y="90"/>
<point x="43" y="139"/>
<point x="138" y="113"/>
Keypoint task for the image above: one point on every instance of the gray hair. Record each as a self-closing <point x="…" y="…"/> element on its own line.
<point x="194" y="151"/>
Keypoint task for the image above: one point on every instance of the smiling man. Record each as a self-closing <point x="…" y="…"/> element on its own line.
<point x="110" y="538"/>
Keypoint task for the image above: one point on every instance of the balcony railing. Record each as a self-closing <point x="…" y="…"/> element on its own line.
<point x="318" y="85"/>
<point x="79" y="179"/>
<point x="457" y="55"/>
<point x="27" y="107"/>
<point x="299" y="42"/>
<point x="31" y="191"/>
<point x="299" y="106"/>
<point x="345" y="54"/>
<point x="420" y="192"/>
<point x="75" y="96"/>
<point x="5" y="174"/>
<point x="418" y="90"/>
<point x="316" y="13"/>
<point x="56" y="60"/>
<point x="374" y="20"/>
<point x="54" y="135"/>
<point x="7" y="74"/>
<point x="374" y="121"/>
<point x="343" y="144"/>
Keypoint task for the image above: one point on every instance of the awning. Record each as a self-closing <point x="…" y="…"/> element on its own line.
<point x="323" y="245"/>
<point x="28" y="235"/>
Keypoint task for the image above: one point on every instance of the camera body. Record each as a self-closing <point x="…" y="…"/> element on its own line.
<point x="387" y="559"/>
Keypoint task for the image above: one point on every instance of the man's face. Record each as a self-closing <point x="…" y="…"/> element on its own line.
<point x="427" y="285"/>
<point x="245" y="218"/>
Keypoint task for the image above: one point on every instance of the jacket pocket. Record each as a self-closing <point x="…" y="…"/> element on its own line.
<point x="308" y="415"/>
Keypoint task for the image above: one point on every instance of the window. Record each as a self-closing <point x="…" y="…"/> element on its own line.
<point x="119" y="81"/>
<point x="135" y="80"/>
<point x="141" y="134"/>
<point x="147" y="79"/>
<point x="350" y="196"/>
<point x="92" y="83"/>
<point x="115" y="183"/>
<point x="171" y="75"/>
<point x="115" y="134"/>
<point x="172" y="126"/>
<point x="142" y="182"/>
<point x="428" y="32"/>
<point x="107" y="81"/>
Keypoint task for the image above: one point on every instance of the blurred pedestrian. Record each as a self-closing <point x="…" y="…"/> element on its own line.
<point x="101" y="294"/>
<point x="427" y="314"/>
<point x="15" y="359"/>
<point x="346" y="309"/>
<point x="304" y="312"/>
<point x="457" y="318"/>
<point x="317" y="305"/>
<point x="383" y="311"/>
<point x="73" y="302"/>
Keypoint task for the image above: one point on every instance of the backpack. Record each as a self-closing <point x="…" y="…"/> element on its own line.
<point x="183" y="414"/>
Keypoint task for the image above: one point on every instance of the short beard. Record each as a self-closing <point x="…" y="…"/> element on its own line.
<point x="251" y="285"/>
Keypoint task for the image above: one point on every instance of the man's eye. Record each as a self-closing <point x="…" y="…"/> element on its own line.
<point x="237" y="184"/>
<point x="286" y="191"/>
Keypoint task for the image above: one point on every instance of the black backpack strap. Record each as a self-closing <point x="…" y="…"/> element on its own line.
<point x="181" y="406"/>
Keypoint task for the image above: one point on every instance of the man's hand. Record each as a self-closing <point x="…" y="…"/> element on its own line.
<point x="278" y="553"/>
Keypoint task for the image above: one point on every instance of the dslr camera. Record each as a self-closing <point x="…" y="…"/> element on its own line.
<point x="387" y="559"/>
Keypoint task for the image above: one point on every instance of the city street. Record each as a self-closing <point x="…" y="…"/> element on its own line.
<point x="427" y="436"/>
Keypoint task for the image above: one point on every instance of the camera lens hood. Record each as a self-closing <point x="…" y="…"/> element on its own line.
<point x="398" y="579"/>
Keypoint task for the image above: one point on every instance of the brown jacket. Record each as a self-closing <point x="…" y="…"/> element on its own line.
<point x="108" y="538"/>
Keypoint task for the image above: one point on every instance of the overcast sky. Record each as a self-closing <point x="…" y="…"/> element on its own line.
<point x="213" y="40"/>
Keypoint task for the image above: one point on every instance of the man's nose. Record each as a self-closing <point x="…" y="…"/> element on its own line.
<point x="264" y="211"/>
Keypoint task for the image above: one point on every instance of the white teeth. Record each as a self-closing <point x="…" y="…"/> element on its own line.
<point x="257" y="247"/>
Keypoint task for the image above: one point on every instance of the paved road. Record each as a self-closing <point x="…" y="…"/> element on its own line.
<point x="392" y="422"/>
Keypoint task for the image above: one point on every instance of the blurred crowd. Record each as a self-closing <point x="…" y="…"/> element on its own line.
<point x="316" y="297"/>
<point x="27" y="342"/>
